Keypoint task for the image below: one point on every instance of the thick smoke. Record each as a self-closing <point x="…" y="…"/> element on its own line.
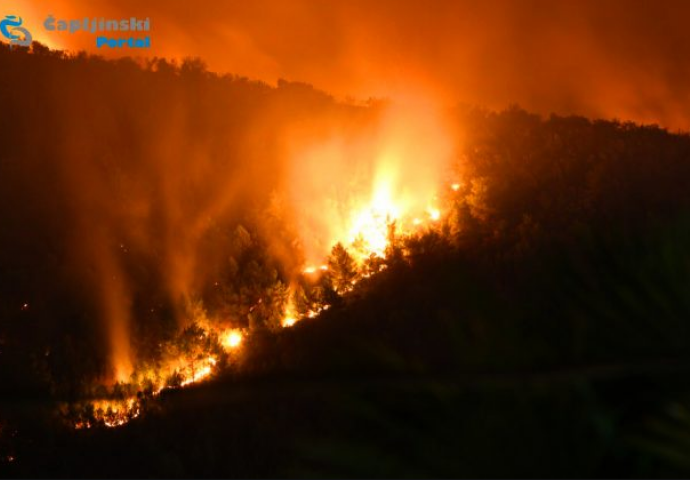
<point x="612" y="59"/>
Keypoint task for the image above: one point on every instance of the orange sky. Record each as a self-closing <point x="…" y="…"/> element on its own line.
<point x="610" y="58"/>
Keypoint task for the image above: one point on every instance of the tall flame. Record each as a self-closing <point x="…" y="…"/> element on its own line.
<point x="351" y="189"/>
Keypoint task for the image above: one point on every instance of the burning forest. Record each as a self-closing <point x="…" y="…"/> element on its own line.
<point x="326" y="214"/>
<point x="352" y="225"/>
<point x="218" y="276"/>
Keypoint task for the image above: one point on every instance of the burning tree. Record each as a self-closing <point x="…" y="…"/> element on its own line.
<point x="342" y="269"/>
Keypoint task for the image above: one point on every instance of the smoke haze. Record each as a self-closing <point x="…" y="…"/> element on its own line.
<point x="622" y="59"/>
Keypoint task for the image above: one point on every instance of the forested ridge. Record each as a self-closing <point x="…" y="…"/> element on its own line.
<point x="541" y="329"/>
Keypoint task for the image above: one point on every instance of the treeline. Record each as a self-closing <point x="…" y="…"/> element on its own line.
<point x="524" y="175"/>
<point x="540" y="329"/>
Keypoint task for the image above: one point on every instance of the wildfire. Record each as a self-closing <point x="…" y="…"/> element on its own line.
<point x="372" y="229"/>
<point x="200" y="374"/>
<point x="394" y="199"/>
<point x="370" y="225"/>
<point x="291" y="316"/>
<point x="289" y="321"/>
<point x="312" y="269"/>
<point x="176" y="373"/>
<point x="111" y="413"/>
<point x="231" y="339"/>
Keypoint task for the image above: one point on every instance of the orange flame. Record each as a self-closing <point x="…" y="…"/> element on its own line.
<point x="231" y="339"/>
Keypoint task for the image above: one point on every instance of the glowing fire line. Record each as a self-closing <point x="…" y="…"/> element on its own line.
<point x="368" y="236"/>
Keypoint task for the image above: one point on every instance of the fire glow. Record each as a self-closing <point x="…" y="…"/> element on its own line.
<point x="391" y="193"/>
<point x="353" y="189"/>
<point x="231" y="339"/>
<point x="118" y="412"/>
